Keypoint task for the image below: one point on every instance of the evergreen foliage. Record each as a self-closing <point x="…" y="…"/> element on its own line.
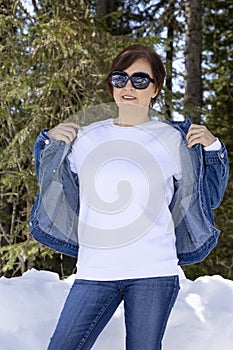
<point x="218" y="113"/>
<point x="52" y="64"/>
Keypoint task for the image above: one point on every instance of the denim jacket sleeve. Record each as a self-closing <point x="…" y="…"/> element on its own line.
<point x="216" y="170"/>
<point x="54" y="216"/>
<point x="41" y="142"/>
<point x="192" y="205"/>
<point x="214" y="166"/>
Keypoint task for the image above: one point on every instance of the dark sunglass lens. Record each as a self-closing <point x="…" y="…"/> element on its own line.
<point x="118" y="79"/>
<point x="140" y="80"/>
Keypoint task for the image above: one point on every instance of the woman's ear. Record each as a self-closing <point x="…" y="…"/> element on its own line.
<point x="155" y="93"/>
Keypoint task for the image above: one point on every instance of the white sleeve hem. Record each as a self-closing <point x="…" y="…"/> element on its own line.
<point x="215" y="146"/>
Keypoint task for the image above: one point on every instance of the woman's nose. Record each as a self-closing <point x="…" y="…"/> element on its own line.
<point x="129" y="85"/>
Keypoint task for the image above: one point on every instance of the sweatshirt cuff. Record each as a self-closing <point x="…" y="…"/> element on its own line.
<point x="215" y="146"/>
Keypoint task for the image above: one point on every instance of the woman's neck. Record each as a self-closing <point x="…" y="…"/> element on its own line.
<point x="130" y="122"/>
<point x="132" y="115"/>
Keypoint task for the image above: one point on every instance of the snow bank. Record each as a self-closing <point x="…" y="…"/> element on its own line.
<point x="30" y="305"/>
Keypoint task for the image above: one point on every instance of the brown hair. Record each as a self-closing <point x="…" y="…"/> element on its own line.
<point x="132" y="53"/>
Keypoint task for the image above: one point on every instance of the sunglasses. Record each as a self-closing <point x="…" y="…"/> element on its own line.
<point x="139" y="80"/>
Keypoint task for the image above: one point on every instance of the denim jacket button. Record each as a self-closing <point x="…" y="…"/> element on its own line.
<point x="46" y="142"/>
<point x="222" y="155"/>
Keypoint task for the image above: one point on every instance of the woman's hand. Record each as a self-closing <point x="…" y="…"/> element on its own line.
<point x="199" y="134"/>
<point x="66" y="132"/>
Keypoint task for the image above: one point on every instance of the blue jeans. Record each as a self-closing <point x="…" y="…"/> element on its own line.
<point x="90" y="305"/>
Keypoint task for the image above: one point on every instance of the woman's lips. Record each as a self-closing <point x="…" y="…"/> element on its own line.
<point x="128" y="97"/>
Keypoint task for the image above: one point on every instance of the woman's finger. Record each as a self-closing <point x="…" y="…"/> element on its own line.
<point x="66" y="132"/>
<point x="199" y="134"/>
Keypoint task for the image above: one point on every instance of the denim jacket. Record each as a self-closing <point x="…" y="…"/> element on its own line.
<point x="54" y="216"/>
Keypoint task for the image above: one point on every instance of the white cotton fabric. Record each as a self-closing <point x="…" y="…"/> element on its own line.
<point x="126" y="177"/>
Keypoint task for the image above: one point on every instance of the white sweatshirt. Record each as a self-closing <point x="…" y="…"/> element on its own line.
<point x="126" y="185"/>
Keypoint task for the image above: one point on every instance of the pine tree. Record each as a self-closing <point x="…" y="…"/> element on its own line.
<point x="51" y="66"/>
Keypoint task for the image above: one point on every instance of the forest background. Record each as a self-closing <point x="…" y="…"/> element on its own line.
<point x="54" y="56"/>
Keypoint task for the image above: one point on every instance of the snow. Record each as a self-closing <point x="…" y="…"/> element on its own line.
<point x="30" y="306"/>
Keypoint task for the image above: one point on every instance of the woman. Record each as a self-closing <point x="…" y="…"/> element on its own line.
<point x="140" y="195"/>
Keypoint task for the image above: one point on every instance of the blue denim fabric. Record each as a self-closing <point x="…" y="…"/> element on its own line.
<point x="90" y="305"/>
<point x="195" y="232"/>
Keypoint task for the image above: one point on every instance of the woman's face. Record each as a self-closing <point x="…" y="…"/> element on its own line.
<point x="129" y="94"/>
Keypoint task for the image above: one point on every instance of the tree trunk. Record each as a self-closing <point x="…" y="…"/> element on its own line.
<point x="193" y="49"/>
<point x="169" y="59"/>
<point x="104" y="7"/>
